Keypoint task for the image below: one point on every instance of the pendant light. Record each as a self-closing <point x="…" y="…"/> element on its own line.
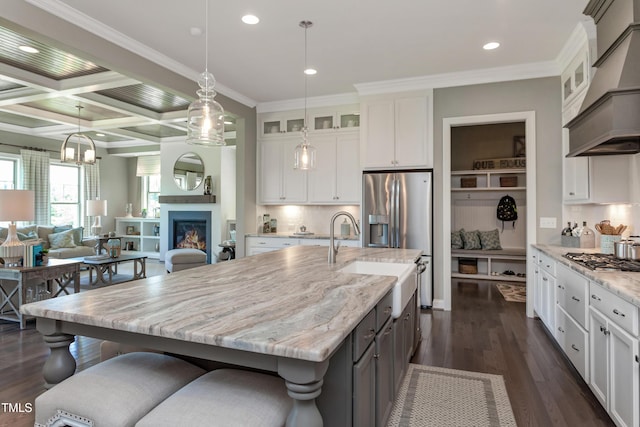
<point x="68" y="154"/>
<point x="205" y="117"/>
<point x="305" y="153"/>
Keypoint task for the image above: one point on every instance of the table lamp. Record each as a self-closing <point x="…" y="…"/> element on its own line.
<point x="96" y="209"/>
<point x="15" y="205"/>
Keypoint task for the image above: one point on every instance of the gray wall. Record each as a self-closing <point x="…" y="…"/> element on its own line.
<point x="539" y="95"/>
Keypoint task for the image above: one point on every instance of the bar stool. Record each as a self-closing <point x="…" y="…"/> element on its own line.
<point x="225" y="398"/>
<point x="115" y="393"/>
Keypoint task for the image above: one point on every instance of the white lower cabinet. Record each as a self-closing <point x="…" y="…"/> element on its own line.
<point x="574" y="341"/>
<point x="614" y="357"/>
<point x="258" y="245"/>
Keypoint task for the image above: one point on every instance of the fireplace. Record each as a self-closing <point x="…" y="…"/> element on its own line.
<point x="190" y="229"/>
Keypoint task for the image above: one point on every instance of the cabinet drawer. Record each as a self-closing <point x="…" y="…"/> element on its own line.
<point x="383" y="310"/>
<point x="573" y="339"/>
<point x="364" y="334"/>
<point x="547" y="263"/>
<point x="573" y="293"/>
<point x="271" y="242"/>
<point x="621" y="312"/>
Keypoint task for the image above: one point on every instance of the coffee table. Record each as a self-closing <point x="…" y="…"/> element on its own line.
<point x="105" y="267"/>
<point x="14" y="282"/>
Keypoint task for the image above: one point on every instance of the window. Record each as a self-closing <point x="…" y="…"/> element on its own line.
<point x="8" y="172"/>
<point x="65" y="194"/>
<point x="150" y="194"/>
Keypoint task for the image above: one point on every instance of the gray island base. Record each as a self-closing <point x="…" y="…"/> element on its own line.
<point x="286" y="312"/>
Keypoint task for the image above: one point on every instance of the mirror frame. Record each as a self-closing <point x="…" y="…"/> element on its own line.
<point x="180" y="179"/>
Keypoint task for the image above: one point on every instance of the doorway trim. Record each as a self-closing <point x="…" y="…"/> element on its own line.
<point x="529" y="118"/>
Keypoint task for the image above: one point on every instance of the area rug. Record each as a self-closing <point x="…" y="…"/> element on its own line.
<point x="431" y="396"/>
<point x="513" y="293"/>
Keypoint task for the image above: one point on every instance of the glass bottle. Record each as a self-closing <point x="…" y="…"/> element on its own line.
<point x="587" y="236"/>
<point x="567" y="230"/>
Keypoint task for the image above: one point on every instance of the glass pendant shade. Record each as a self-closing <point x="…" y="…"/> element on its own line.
<point x="205" y="119"/>
<point x="305" y="155"/>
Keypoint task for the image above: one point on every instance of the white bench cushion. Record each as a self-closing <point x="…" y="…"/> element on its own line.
<point x="225" y="398"/>
<point x="116" y="392"/>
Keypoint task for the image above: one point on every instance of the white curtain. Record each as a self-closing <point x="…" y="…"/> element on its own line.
<point x="91" y="189"/>
<point x="35" y="176"/>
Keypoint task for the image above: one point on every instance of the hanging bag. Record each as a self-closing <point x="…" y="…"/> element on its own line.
<point x="507" y="210"/>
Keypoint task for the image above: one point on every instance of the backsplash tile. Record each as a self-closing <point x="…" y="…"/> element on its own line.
<point x="315" y="218"/>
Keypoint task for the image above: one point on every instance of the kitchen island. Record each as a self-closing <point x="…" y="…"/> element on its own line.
<point x="286" y="311"/>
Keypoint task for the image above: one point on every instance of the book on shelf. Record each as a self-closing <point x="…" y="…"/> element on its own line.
<point x="32" y="256"/>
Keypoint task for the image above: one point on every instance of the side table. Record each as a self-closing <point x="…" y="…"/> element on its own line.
<point x="58" y="275"/>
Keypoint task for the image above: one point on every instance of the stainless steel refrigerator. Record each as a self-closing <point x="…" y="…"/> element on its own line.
<point x="397" y="213"/>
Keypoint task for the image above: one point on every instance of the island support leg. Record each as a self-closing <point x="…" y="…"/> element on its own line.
<point x="304" y="383"/>
<point x="60" y="364"/>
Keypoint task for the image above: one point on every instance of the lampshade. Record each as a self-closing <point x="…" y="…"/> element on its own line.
<point x="17" y="205"/>
<point x="96" y="207"/>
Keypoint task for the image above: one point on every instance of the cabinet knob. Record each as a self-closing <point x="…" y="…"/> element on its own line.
<point x="595" y="297"/>
<point x="571" y="193"/>
<point x="575" y="299"/>
<point x="560" y="329"/>
<point x="573" y="346"/>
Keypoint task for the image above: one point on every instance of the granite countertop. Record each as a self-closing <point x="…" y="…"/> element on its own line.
<point x="301" y="236"/>
<point x="622" y="283"/>
<point x="289" y="303"/>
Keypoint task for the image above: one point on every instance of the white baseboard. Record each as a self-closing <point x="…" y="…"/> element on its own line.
<point x="438" y="304"/>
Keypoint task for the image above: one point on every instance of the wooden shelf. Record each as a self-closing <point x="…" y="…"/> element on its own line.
<point x="480" y="276"/>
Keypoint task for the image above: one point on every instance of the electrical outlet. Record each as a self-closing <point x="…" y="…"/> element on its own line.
<point x="547" y="222"/>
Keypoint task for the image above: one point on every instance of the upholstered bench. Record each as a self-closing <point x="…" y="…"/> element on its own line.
<point x="116" y="392"/>
<point x="181" y="259"/>
<point x="225" y="398"/>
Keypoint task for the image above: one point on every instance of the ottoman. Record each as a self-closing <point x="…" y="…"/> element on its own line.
<point x="115" y="393"/>
<point x="181" y="259"/>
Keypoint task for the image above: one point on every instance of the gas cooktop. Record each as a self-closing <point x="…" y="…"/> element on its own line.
<point x="603" y="262"/>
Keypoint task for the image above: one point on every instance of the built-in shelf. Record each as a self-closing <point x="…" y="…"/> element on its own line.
<point x="205" y="198"/>
<point x="488" y="180"/>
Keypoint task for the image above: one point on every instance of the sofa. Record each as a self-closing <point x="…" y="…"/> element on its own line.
<point x="60" y="241"/>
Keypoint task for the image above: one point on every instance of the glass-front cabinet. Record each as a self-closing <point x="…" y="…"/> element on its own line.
<point x="347" y="118"/>
<point x="279" y="124"/>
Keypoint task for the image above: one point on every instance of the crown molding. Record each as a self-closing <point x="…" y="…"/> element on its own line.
<point x="73" y="16"/>
<point x="312" y="102"/>
<point x="464" y="78"/>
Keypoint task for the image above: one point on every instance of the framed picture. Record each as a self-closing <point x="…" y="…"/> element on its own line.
<point x="130" y="229"/>
<point x="519" y="146"/>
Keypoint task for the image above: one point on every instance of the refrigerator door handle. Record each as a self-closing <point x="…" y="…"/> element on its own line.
<point x="396" y="219"/>
<point x="392" y="214"/>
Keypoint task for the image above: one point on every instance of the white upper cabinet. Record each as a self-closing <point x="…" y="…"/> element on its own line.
<point x="336" y="179"/>
<point x="276" y="125"/>
<point x="278" y="182"/>
<point x="396" y="132"/>
<point x="344" y="118"/>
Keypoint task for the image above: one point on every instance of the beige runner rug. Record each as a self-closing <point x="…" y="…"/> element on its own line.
<point x="438" y="397"/>
<point x="513" y="293"/>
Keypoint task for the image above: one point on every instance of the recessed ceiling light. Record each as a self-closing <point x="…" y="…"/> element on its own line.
<point x="99" y="135"/>
<point x="250" y="19"/>
<point x="28" y="49"/>
<point x="310" y="71"/>
<point x="227" y="122"/>
<point x="491" y="46"/>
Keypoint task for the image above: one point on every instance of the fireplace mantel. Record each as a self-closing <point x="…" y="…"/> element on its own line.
<point x="210" y="198"/>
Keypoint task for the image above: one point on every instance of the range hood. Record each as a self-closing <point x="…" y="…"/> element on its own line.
<point x="609" y="119"/>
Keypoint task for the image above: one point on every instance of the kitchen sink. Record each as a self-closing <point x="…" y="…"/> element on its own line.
<point x="404" y="287"/>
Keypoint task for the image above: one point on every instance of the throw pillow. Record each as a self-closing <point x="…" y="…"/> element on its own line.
<point x="28" y="229"/>
<point x="456" y="240"/>
<point x="470" y="239"/>
<point x="63" y="239"/>
<point x="77" y="235"/>
<point x="490" y="239"/>
<point x="32" y="235"/>
<point x="59" y="228"/>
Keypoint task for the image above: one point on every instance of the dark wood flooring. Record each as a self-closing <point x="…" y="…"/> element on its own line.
<point x="485" y="333"/>
<point x="482" y="333"/>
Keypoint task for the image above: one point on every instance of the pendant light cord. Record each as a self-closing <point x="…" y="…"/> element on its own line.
<point x="206" y="36"/>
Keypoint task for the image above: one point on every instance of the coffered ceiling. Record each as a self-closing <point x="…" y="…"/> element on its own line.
<point x="354" y="44"/>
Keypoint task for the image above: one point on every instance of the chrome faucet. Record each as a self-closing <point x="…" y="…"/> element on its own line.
<point x="333" y="250"/>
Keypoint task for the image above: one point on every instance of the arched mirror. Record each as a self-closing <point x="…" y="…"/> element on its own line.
<point x="188" y="171"/>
